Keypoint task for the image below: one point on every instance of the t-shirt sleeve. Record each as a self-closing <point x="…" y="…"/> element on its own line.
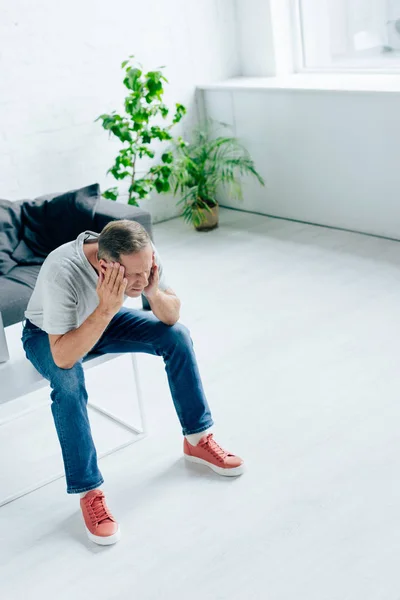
<point x="60" y="313"/>
<point x="163" y="283"/>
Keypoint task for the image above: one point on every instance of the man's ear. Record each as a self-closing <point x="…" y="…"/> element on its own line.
<point x="103" y="265"/>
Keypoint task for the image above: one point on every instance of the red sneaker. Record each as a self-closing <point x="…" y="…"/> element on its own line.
<point x="209" y="453"/>
<point x="101" y="527"/>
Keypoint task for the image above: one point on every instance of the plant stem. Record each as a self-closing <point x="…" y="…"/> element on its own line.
<point x="133" y="177"/>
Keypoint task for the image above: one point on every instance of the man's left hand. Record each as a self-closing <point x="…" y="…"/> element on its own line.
<point x="152" y="287"/>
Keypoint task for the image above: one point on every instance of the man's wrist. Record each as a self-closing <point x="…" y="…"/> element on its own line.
<point x="153" y="295"/>
<point x="103" y="314"/>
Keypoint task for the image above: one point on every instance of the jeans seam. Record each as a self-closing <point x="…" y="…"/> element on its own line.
<point x="71" y="490"/>
<point x="63" y="445"/>
<point x="199" y="430"/>
<point x="59" y="427"/>
<point x="44" y="373"/>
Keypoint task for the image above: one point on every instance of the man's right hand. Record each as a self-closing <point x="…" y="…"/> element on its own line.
<point x="72" y="346"/>
<point x="111" y="288"/>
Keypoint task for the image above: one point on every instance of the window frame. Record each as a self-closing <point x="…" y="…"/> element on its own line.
<point x="350" y="67"/>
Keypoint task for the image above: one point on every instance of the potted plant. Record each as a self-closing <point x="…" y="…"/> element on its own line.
<point x="204" y="165"/>
<point x="137" y="127"/>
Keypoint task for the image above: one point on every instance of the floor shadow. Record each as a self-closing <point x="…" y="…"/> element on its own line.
<point x="73" y="528"/>
<point x="178" y="473"/>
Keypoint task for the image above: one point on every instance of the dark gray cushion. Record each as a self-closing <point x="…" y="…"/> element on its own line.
<point x="26" y="275"/>
<point x="24" y="255"/>
<point x="15" y="290"/>
<point x="10" y="230"/>
<point x="48" y="222"/>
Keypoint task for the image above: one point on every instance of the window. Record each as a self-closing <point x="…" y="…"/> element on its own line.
<point x="348" y="34"/>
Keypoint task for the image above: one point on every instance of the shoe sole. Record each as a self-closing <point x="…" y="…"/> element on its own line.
<point x="104" y="541"/>
<point x="234" y="472"/>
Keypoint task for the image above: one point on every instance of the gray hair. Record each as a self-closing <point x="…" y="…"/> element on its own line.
<point x="121" y="237"/>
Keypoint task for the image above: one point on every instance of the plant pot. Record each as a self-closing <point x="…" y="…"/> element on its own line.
<point x="210" y="219"/>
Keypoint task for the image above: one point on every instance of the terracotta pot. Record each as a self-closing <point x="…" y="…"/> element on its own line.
<point x="210" y="219"/>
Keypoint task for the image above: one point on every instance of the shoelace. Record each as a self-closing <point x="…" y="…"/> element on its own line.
<point x="215" y="449"/>
<point x="98" y="510"/>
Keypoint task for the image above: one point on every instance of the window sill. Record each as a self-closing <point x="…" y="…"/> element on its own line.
<point x="313" y="82"/>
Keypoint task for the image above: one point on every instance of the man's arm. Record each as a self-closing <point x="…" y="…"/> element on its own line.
<point x="67" y="349"/>
<point x="164" y="304"/>
<point x="70" y="347"/>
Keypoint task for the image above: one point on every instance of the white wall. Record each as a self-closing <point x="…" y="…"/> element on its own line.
<point x="328" y="157"/>
<point x="264" y="37"/>
<point x="255" y="38"/>
<point x="60" y="68"/>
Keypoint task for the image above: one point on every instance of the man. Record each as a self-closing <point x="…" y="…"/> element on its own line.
<point x="75" y="308"/>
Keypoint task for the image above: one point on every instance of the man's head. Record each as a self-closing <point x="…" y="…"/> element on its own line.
<point x="127" y="243"/>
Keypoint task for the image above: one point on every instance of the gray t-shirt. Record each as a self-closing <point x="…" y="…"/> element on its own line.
<point x="65" y="291"/>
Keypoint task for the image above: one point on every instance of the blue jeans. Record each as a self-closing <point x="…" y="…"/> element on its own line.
<point x="129" y="331"/>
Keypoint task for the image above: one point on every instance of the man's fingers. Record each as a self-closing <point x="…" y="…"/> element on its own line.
<point x="122" y="285"/>
<point x="114" y="275"/>
<point x="99" y="281"/>
<point x="154" y="274"/>
<point x="109" y="272"/>
<point x="153" y="271"/>
<point x="119" y="275"/>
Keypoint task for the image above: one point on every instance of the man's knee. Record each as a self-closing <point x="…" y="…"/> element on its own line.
<point x="178" y="334"/>
<point x="67" y="380"/>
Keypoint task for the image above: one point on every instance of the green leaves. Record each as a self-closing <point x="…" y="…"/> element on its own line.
<point x="126" y="62"/>
<point x="167" y="157"/>
<point x="144" y="150"/>
<point x="161" y="185"/>
<point x="137" y="128"/>
<point x="164" y="111"/>
<point x="141" y="115"/>
<point x="154" y="86"/>
<point x="209" y="162"/>
<point x="132" y="79"/>
<point x="160" y="133"/>
<point x="117" y="125"/>
<point x="180" y="112"/>
<point x="140" y="188"/>
<point x="123" y="166"/>
<point x="161" y="177"/>
<point x="111" y="194"/>
<point x="132" y="103"/>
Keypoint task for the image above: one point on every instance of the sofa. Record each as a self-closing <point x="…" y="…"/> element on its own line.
<point x="31" y="229"/>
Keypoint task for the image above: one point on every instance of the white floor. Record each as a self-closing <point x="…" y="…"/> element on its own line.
<point x="297" y="335"/>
